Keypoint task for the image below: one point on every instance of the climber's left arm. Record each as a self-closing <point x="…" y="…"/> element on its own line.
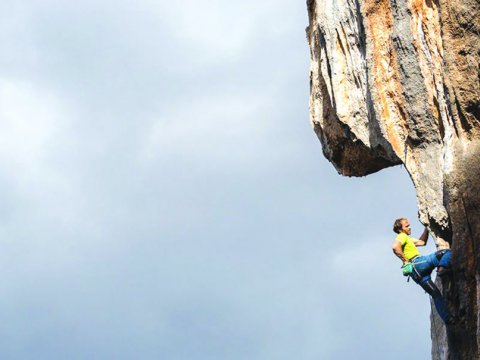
<point x="422" y="241"/>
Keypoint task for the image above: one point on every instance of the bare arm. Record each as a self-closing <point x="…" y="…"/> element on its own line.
<point x="422" y="241"/>
<point x="397" y="250"/>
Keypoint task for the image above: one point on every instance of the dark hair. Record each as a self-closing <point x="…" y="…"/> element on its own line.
<point x="397" y="225"/>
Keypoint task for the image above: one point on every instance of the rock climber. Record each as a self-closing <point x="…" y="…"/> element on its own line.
<point x="420" y="267"/>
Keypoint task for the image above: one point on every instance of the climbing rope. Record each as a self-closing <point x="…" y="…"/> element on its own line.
<point x="434" y="323"/>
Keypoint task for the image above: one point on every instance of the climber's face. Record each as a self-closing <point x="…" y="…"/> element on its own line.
<point x="406" y="227"/>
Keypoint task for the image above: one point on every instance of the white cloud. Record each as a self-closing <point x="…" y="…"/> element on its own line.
<point x="15" y="32"/>
<point x="217" y="30"/>
<point x="30" y="118"/>
<point x="34" y="133"/>
<point x="212" y="128"/>
<point x="135" y="234"/>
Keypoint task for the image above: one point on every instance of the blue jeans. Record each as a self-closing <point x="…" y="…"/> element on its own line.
<point x="423" y="267"/>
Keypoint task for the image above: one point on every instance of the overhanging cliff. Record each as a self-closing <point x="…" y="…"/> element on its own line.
<point x="397" y="82"/>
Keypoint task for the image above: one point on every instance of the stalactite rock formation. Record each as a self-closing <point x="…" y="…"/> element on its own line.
<point x="397" y="82"/>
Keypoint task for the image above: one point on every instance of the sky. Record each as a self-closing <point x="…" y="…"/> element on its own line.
<point x="163" y="195"/>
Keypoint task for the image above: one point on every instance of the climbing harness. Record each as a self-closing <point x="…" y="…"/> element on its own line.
<point x="409" y="268"/>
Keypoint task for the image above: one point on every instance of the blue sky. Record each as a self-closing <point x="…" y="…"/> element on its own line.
<point x="164" y="196"/>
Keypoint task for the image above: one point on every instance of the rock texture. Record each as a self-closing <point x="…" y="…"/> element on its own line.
<point x="397" y="82"/>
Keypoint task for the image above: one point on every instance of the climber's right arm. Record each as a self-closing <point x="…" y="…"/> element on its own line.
<point x="397" y="250"/>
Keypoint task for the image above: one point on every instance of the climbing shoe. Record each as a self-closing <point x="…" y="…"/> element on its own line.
<point x="450" y="320"/>
<point x="442" y="271"/>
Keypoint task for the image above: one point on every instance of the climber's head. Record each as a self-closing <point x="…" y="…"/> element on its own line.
<point x="402" y="225"/>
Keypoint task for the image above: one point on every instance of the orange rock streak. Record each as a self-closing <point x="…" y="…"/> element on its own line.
<point x="387" y="89"/>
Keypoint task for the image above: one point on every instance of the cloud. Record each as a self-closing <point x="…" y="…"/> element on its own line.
<point x="224" y="31"/>
<point x="164" y="196"/>
<point x="31" y="119"/>
<point x="225" y="129"/>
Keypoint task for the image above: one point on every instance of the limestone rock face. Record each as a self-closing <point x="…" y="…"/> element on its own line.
<point x="397" y="82"/>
